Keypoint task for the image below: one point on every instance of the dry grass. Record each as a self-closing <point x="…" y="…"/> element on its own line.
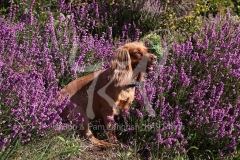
<point x="67" y="146"/>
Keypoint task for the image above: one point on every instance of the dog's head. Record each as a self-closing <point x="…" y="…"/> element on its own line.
<point x="141" y="60"/>
<point x="131" y="60"/>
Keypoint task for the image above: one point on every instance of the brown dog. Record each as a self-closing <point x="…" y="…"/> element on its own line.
<point x="109" y="92"/>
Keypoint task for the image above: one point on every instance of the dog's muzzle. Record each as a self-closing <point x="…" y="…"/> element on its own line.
<point x="151" y="63"/>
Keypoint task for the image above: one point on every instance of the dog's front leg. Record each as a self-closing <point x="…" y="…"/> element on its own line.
<point x="84" y="128"/>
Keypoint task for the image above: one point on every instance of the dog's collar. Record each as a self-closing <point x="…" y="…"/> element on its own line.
<point x="134" y="83"/>
<point x="109" y="78"/>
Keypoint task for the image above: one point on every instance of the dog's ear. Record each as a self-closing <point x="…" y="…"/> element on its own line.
<point x="121" y="67"/>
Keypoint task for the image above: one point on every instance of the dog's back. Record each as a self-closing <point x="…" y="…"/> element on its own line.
<point x="97" y="92"/>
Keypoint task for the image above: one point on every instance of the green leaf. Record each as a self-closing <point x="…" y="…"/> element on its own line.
<point x="193" y="147"/>
<point x="55" y="23"/>
<point x="61" y="138"/>
<point x="62" y="15"/>
<point x="129" y="154"/>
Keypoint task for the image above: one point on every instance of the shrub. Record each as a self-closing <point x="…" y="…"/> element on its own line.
<point x="128" y="19"/>
<point x="195" y="97"/>
<point x="188" y="106"/>
<point x="28" y="87"/>
<point x="36" y="59"/>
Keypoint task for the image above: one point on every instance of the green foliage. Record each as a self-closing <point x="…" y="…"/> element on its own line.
<point x="69" y="149"/>
<point x="221" y="6"/>
<point x="153" y="42"/>
<point x="4" y="7"/>
<point x="54" y="147"/>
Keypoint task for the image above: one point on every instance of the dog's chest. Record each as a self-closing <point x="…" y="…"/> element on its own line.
<point x="127" y="94"/>
<point x="124" y="100"/>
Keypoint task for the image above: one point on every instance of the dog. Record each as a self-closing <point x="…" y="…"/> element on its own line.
<point x="109" y="92"/>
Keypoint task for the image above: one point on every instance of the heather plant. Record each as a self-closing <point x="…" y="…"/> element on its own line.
<point x="133" y="16"/>
<point x="28" y="88"/>
<point x="36" y="60"/>
<point x="123" y="19"/>
<point x="119" y="19"/>
<point x="187" y="107"/>
<point x="195" y="97"/>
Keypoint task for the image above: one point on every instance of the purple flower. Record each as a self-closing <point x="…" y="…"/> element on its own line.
<point x="139" y="114"/>
<point x="110" y="118"/>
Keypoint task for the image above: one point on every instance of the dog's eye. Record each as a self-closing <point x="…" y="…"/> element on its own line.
<point x="136" y="52"/>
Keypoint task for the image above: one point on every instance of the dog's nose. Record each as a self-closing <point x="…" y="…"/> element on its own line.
<point x="154" y="58"/>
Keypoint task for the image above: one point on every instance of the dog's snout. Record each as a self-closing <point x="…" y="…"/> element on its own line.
<point x="154" y="58"/>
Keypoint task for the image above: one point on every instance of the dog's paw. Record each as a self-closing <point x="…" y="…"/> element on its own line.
<point x="99" y="143"/>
